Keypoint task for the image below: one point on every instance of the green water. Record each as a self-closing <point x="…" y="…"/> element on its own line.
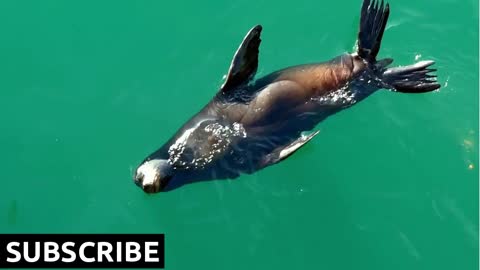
<point x="89" y="88"/>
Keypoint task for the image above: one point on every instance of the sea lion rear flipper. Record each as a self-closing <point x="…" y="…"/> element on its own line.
<point x="373" y="19"/>
<point x="283" y="152"/>
<point x="417" y="78"/>
<point x="245" y="61"/>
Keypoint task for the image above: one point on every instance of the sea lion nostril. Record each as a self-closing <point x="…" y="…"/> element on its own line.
<point x="149" y="188"/>
<point x="139" y="179"/>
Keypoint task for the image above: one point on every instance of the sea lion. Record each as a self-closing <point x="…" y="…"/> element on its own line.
<point x="251" y="124"/>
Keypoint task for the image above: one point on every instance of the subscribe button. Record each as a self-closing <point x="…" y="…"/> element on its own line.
<point x="82" y="251"/>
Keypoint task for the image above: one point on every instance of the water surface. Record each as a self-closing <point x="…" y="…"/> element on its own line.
<point x="89" y="88"/>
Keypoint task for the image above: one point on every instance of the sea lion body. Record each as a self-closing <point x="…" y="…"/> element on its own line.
<point x="251" y="124"/>
<point x="271" y="112"/>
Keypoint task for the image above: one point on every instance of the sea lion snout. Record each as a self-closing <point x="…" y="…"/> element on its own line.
<point x="153" y="175"/>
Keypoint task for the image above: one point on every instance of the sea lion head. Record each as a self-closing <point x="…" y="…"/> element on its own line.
<point x="153" y="175"/>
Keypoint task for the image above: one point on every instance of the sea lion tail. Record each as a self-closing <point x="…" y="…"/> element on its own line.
<point x="373" y="19"/>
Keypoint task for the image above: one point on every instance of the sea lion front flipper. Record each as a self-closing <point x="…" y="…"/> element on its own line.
<point x="283" y="152"/>
<point x="245" y="61"/>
